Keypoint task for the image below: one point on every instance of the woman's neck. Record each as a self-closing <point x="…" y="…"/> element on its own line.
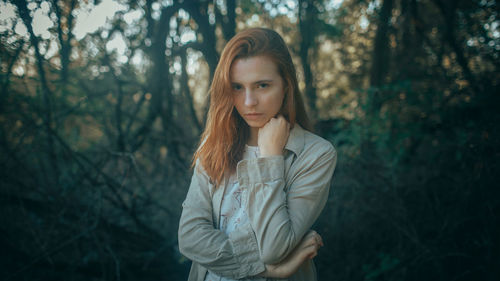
<point x="254" y="137"/>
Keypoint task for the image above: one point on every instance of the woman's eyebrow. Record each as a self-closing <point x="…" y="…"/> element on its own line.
<point x="256" y="82"/>
<point x="263" y="81"/>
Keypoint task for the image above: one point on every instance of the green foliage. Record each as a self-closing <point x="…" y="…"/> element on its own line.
<point x="386" y="264"/>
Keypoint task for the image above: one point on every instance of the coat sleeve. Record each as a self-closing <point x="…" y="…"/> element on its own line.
<point x="233" y="256"/>
<point x="281" y="216"/>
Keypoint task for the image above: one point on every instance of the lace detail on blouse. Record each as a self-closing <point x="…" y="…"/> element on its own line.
<point x="233" y="213"/>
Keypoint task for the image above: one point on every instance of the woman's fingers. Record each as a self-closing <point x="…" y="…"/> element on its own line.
<point x="311" y="243"/>
<point x="320" y="240"/>
<point x="315" y="237"/>
<point x="309" y="239"/>
<point x="273" y="136"/>
<point x="311" y="251"/>
<point x="314" y="254"/>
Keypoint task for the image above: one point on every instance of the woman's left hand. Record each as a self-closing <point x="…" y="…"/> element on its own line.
<point x="305" y="250"/>
<point x="273" y="136"/>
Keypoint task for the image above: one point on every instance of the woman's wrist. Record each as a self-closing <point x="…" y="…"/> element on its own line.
<point x="271" y="272"/>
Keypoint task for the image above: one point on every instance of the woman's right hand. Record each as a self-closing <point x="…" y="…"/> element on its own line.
<point x="273" y="136"/>
<point x="305" y="250"/>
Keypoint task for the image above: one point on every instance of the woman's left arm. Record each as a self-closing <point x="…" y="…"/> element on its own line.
<point x="280" y="218"/>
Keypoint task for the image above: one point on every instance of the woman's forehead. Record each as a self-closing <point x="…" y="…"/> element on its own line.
<point x="252" y="69"/>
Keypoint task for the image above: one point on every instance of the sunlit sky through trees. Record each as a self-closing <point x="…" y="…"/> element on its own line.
<point x="90" y="18"/>
<point x="100" y="20"/>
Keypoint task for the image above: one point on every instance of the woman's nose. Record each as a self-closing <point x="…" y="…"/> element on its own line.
<point x="250" y="99"/>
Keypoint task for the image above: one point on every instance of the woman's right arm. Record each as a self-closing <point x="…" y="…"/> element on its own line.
<point x="233" y="256"/>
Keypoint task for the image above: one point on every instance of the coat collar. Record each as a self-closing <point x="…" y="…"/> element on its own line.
<point x="295" y="141"/>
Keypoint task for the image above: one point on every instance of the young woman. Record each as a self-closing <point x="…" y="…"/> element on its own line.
<point x="260" y="179"/>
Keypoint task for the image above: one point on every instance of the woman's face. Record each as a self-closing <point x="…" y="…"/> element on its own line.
<point x="257" y="89"/>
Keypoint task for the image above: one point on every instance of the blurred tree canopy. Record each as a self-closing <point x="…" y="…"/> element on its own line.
<point x="98" y="128"/>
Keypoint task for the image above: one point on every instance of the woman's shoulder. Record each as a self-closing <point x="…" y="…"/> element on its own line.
<point x="316" y="144"/>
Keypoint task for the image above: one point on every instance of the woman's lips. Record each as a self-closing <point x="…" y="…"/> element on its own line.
<point x="253" y="116"/>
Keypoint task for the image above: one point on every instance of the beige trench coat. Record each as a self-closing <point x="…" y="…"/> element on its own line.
<point x="285" y="195"/>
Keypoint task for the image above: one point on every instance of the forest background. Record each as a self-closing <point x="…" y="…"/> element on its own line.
<point x="97" y="131"/>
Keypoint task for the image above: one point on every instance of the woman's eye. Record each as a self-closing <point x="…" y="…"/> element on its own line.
<point x="263" y="85"/>
<point x="236" y="87"/>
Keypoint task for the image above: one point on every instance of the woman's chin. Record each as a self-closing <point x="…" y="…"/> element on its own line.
<point x="256" y="124"/>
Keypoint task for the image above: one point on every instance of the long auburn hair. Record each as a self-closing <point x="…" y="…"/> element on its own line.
<point x="226" y="133"/>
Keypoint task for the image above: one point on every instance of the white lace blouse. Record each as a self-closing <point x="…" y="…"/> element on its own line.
<point x="232" y="212"/>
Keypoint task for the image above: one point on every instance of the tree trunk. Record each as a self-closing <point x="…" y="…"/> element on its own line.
<point x="46" y="92"/>
<point x="380" y="55"/>
<point x="307" y="14"/>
